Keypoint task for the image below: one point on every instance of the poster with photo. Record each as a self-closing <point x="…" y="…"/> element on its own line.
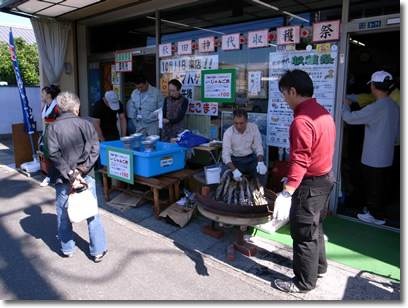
<point x="322" y="68"/>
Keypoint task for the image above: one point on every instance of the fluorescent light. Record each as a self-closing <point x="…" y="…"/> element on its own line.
<point x="170" y="22"/>
<point x="266" y="4"/>
<point x="277" y="9"/>
<point x="208" y="30"/>
<point x="184" y="25"/>
<point x="295" y="16"/>
<point x="393" y="21"/>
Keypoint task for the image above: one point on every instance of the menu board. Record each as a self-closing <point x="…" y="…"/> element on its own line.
<point x="218" y="85"/>
<point x="120" y="164"/>
<point x="322" y="69"/>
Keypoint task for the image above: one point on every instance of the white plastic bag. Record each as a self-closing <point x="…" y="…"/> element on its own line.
<point x="82" y="205"/>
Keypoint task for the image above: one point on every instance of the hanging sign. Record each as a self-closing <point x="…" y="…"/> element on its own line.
<point x="230" y="42"/>
<point x="120" y="164"/>
<point x="165" y="50"/>
<point x="218" y="86"/>
<point x="326" y="31"/>
<point x="185" y="47"/>
<point x="288" y="35"/>
<point x="123" y="61"/>
<point x="206" y="44"/>
<point x="258" y="38"/>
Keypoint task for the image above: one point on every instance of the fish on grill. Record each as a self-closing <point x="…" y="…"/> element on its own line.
<point x="240" y="192"/>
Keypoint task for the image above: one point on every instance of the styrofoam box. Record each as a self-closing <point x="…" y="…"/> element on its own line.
<point x="168" y="157"/>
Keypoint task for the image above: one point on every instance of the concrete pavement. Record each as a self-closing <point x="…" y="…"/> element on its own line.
<point x="148" y="259"/>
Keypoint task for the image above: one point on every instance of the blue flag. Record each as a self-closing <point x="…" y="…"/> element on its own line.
<point x="29" y="125"/>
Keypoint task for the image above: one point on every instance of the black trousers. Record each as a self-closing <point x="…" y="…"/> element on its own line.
<point x="309" y="208"/>
<point x="377" y="182"/>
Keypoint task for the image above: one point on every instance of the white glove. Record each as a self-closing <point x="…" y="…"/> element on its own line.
<point x="237" y="174"/>
<point x="282" y="206"/>
<point x="261" y="168"/>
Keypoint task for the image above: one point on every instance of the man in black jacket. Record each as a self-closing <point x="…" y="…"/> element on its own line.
<point x="74" y="148"/>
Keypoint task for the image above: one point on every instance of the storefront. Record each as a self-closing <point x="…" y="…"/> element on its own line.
<point x="340" y="43"/>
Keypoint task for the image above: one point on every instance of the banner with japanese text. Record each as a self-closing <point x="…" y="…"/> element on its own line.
<point x="29" y="125"/>
<point x="322" y="68"/>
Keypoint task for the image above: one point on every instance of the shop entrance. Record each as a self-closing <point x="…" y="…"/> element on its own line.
<point x="144" y="64"/>
<point x="368" y="53"/>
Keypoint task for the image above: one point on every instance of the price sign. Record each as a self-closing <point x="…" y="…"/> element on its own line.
<point x="218" y="86"/>
<point x="123" y="61"/>
<point x="120" y="164"/>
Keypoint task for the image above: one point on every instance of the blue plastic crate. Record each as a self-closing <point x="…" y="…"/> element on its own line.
<point x="168" y="157"/>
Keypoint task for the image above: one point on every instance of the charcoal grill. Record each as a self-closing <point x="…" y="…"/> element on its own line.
<point x="238" y="215"/>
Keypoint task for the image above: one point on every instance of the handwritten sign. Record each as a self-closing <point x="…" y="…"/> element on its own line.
<point x="165" y="50"/>
<point x="218" y="86"/>
<point x="258" y="38"/>
<point x="123" y="61"/>
<point x="288" y="35"/>
<point x="192" y="63"/>
<point x="120" y="164"/>
<point x="200" y="108"/>
<point x="230" y="42"/>
<point x="185" y="47"/>
<point x="326" y="31"/>
<point x="206" y="44"/>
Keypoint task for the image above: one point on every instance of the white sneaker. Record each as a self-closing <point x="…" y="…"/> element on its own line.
<point x="365" y="210"/>
<point x="45" y="182"/>
<point x="370" y="219"/>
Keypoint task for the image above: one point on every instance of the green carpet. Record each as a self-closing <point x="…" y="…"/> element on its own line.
<point x="354" y="244"/>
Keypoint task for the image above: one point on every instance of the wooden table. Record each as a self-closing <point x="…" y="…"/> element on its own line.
<point x="170" y="181"/>
<point x="155" y="183"/>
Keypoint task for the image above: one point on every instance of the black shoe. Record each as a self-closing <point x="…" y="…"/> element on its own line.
<point x="99" y="258"/>
<point x="288" y="286"/>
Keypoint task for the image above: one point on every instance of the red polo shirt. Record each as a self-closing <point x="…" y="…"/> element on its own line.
<point x="312" y="135"/>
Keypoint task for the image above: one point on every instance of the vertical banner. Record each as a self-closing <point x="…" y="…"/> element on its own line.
<point x="29" y="125"/>
<point x="322" y="69"/>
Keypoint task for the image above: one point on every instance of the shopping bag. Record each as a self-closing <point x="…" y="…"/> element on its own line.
<point x="82" y="203"/>
<point x="189" y="139"/>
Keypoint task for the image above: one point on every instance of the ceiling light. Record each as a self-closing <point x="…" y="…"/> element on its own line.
<point x="295" y="16"/>
<point x="266" y="4"/>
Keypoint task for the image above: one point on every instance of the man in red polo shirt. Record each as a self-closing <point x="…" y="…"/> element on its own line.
<point x="305" y="197"/>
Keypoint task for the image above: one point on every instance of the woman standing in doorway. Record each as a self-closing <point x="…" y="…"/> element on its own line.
<point x="49" y="114"/>
<point x="174" y="110"/>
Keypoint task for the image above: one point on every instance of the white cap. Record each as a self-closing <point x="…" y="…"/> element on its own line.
<point x="113" y="100"/>
<point x="380" y="76"/>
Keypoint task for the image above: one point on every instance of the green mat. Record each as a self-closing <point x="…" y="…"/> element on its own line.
<point x="354" y="244"/>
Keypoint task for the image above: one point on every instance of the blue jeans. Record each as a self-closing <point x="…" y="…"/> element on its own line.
<point x="97" y="238"/>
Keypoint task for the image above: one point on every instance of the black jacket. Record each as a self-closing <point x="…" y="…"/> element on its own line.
<point x="72" y="143"/>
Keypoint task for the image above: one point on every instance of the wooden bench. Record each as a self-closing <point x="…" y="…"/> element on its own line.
<point x="155" y="183"/>
<point x="185" y="175"/>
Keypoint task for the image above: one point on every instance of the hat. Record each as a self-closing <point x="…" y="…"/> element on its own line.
<point x="113" y="100"/>
<point x="380" y="76"/>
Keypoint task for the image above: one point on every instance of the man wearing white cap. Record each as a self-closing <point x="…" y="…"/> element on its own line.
<point x="382" y="130"/>
<point x="105" y="117"/>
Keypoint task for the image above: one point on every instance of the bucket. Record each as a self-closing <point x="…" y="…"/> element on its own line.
<point x="212" y="175"/>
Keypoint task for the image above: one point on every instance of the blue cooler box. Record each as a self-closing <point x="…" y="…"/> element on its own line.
<point x="168" y="157"/>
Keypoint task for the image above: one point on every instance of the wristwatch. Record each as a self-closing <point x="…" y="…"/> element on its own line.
<point x="286" y="194"/>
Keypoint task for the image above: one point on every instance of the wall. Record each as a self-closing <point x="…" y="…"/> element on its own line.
<point x="12" y="112"/>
